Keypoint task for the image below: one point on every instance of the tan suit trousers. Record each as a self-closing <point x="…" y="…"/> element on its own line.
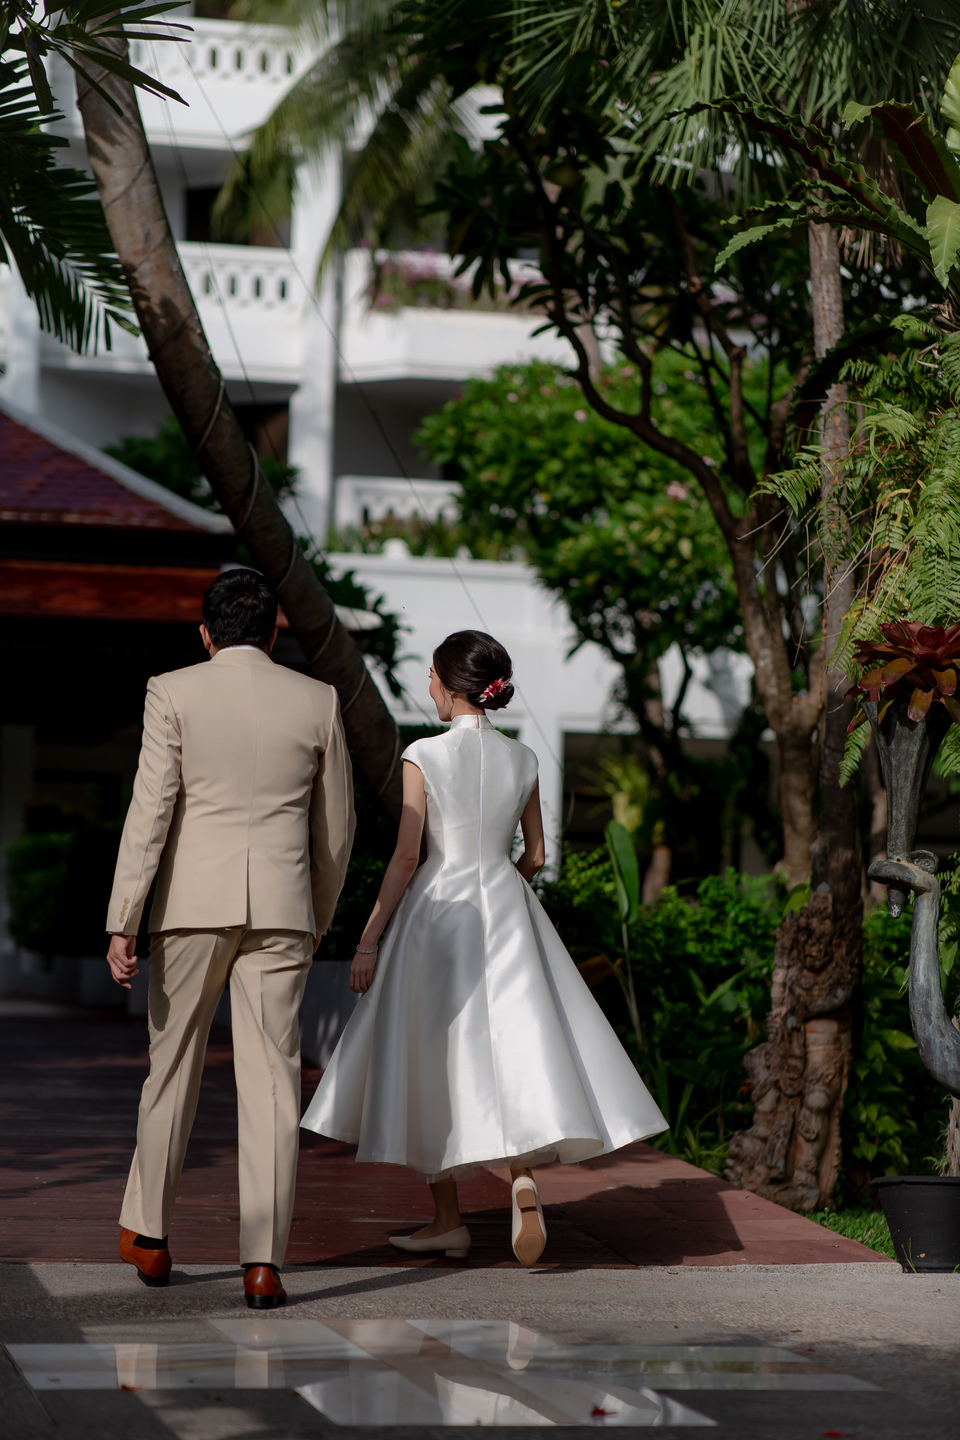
<point x="266" y="972"/>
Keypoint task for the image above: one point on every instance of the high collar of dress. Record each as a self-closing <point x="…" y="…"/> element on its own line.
<point x="469" y="722"/>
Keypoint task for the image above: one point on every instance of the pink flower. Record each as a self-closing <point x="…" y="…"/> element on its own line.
<point x="580" y="415"/>
<point x="512" y="397"/>
<point x="676" y="490"/>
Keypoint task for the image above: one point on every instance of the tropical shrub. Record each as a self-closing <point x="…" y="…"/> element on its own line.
<point x="702" y="973"/>
<point x="894" y="1113"/>
<point x="702" y="965"/>
<point x="58" y="883"/>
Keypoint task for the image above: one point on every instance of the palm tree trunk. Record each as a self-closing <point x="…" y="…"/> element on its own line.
<point x="123" y="168"/>
<point x="800" y="1073"/>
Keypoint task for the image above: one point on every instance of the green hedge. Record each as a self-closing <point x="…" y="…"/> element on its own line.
<point x="703" y="966"/>
<point x="58" y="884"/>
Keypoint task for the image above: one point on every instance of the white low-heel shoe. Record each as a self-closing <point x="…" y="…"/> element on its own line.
<point x="455" y="1243"/>
<point x="529" y="1231"/>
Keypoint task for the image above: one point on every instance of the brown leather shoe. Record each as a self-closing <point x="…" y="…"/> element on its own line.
<point x="263" y="1287"/>
<point x="153" y="1265"/>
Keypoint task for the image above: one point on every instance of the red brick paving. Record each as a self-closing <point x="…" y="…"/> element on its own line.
<point x="68" y="1101"/>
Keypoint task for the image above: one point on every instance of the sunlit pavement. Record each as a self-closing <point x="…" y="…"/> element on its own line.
<point x="665" y="1297"/>
<point x="802" y="1351"/>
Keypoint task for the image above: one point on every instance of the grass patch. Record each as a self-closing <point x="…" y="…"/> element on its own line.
<point x="869" y="1227"/>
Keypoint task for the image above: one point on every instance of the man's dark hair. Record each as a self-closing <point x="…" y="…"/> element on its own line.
<point x="239" y="608"/>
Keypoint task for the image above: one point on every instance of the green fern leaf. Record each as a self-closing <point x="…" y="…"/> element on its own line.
<point x="853" y="750"/>
<point x="948" y="756"/>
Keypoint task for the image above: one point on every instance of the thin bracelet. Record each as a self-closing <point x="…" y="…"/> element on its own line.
<point x="358" y="951"/>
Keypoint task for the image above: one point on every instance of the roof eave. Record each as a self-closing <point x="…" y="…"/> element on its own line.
<point x="138" y="484"/>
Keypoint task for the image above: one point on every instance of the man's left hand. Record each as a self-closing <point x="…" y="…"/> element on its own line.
<point x="316" y="943"/>
<point x="122" y="960"/>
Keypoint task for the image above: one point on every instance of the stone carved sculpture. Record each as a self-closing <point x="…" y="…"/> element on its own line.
<point x="791" y="1151"/>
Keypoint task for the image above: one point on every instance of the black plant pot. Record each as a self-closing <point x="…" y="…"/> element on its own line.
<point x="923" y="1213"/>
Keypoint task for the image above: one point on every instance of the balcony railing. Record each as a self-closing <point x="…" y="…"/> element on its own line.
<point x="243" y="278"/>
<point x="251" y="303"/>
<point x="223" y="52"/>
<point x="429" y="327"/>
<point x="230" y="75"/>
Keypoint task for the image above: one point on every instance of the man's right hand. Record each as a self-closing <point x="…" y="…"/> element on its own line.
<point x="122" y="960"/>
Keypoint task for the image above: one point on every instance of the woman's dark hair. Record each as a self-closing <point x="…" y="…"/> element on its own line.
<point x="239" y="608"/>
<point x="471" y="663"/>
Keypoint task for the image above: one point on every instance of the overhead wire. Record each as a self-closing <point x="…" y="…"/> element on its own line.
<point x="357" y="384"/>
<point x="410" y="698"/>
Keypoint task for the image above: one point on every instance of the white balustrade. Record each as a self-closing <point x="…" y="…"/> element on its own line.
<point x="405" y="337"/>
<point x="229" y="74"/>
<point x="251" y="302"/>
<point x="243" y="278"/>
<point x="359" y="499"/>
<point x="223" y="52"/>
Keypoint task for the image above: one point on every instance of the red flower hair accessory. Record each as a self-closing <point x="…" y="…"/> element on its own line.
<point x="493" y="689"/>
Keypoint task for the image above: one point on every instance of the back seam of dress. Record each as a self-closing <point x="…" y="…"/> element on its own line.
<point x="486" y="922"/>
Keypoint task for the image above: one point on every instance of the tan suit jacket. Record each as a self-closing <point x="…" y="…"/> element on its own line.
<point x="244" y="771"/>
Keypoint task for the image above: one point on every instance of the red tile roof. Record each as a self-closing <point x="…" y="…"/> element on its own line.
<point x="42" y="484"/>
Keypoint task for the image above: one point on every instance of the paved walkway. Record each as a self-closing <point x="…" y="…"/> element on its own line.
<point x="68" y="1097"/>
<point x="666" y="1298"/>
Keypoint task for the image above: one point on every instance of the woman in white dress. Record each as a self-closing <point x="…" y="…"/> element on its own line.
<point x="475" y="1041"/>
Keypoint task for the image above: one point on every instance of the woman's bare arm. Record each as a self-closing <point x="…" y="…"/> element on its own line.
<point x="531" y="824"/>
<point x="397" y="876"/>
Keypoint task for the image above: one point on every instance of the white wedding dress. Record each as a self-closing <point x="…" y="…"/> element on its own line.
<point x="478" y="1042"/>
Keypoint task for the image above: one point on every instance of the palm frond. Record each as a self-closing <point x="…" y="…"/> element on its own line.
<point x="52" y="226"/>
<point x="376" y="94"/>
<point x="834" y="49"/>
<point x="89" y="36"/>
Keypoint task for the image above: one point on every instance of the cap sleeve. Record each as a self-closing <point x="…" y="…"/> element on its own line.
<point x="413" y="753"/>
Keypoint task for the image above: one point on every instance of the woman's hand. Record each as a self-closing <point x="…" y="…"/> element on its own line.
<point x="362" y="972"/>
<point x="398" y="875"/>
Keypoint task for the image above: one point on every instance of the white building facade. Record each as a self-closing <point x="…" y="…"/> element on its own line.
<point x="342" y="384"/>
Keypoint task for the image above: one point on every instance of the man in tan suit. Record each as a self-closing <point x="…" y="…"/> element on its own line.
<point x="243" y="809"/>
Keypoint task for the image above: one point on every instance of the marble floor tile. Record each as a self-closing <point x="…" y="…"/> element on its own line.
<point x="452" y="1398"/>
<point x="397" y="1371"/>
<point x="311" y="1337"/>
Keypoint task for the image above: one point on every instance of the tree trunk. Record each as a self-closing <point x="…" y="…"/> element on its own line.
<point x="657" y="874"/>
<point x="800" y="1073"/>
<point x="796" y="803"/>
<point x="123" y="168"/>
